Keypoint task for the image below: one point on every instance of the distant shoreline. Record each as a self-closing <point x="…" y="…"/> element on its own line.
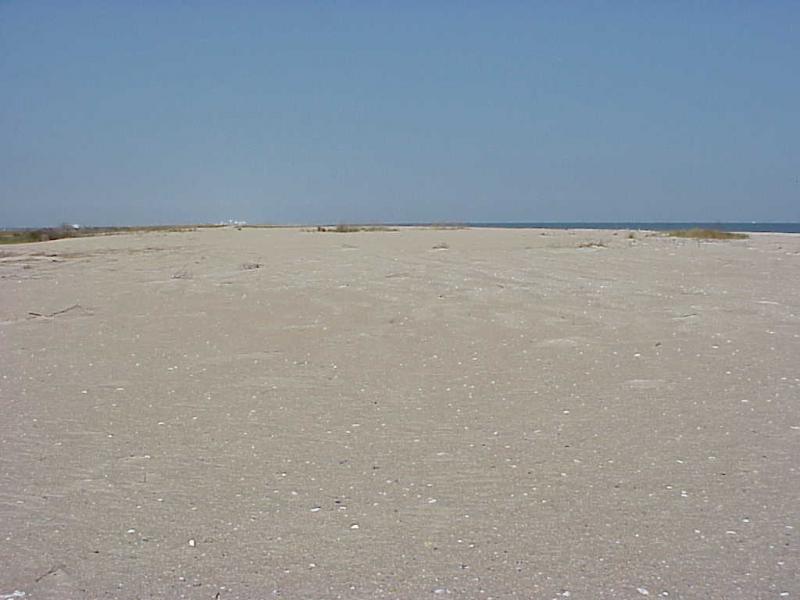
<point x="751" y="227"/>
<point x="647" y="226"/>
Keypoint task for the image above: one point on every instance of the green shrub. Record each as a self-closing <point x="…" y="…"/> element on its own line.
<point x="707" y="234"/>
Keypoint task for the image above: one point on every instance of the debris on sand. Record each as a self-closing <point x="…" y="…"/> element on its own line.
<point x="73" y="307"/>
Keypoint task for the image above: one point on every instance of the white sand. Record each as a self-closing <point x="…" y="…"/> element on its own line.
<point x="278" y="413"/>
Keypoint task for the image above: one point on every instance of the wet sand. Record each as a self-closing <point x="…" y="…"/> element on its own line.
<point x="276" y="413"/>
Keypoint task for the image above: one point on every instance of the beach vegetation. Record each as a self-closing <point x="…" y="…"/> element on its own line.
<point x="698" y="233"/>
<point x="344" y="228"/>
<point x="46" y="234"/>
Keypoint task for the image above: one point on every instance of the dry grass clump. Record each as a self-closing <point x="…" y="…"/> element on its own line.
<point x="354" y="228"/>
<point x="441" y="246"/>
<point x="707" y="234"/>
<point x="22" y="237"/>
<point x="592" y="245"/>
<point x="45" y="234"/>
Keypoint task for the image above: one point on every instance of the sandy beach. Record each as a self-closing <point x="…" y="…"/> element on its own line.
<point x="454" y="413"/>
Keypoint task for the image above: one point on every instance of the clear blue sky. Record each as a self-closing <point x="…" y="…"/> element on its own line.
<point x="290" y="112"/>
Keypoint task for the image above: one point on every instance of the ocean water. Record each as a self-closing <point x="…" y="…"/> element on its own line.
<point x="747" y="227"/>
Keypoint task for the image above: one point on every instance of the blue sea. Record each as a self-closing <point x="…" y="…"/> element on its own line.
<point x="747" y="227"/>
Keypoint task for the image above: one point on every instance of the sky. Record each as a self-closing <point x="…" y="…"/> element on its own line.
<point x="126" y="113"/>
